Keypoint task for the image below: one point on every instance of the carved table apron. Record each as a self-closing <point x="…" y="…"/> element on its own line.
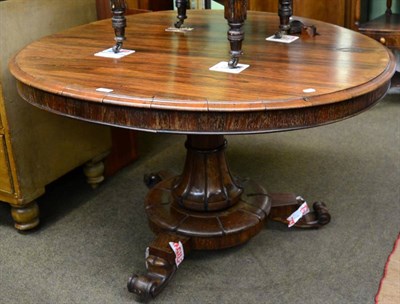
<point x="166" y="86"/>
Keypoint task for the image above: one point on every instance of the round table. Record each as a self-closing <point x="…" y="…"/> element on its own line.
<point x="166" y="86"/>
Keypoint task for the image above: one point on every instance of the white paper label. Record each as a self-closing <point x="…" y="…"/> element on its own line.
<point x="283" y="39"/>
<point x="298" y="214"/>
<point x="109" y="53"/>
<point x="179" y="253"/>
<point x="223" y="67"/>
<point x="179" y="30"/>
<point x="104" y="90"/>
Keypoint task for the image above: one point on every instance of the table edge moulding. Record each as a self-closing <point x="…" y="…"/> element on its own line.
<point x="183" y="108"/>
<point x="167" y="86"/>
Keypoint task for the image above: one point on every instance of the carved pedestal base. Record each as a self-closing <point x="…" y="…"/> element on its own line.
<point x="209" y="230"/>
<point x="206" y="208"/>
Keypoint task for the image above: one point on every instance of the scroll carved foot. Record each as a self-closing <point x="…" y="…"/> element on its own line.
<point x="150" y="285"/>
<point x="161" y="267"/>
<point x="284" y="204"/>
<point x="26" y="217"/>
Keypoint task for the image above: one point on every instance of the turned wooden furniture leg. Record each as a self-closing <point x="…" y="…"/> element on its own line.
<point x="284" y="12"/>
<point x="118" y="8"/>
<point x="388" y="7"/>
<point x="181" y="6"/>
<point x="235" y="14"/>
<point x="287" y="26"/>
<point x="26" y="217"/>
<point x="94" y="170"/>
<point x="160" y="264"/>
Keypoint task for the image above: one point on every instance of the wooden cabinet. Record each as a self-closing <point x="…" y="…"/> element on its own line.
<point x="340" y="12"/>
<point x="152" y="5"/>
<point x="103" y="6"/>
<point x="6" y="185"/>
<point x="386" y="29"/>
<point x="37" y="147"/>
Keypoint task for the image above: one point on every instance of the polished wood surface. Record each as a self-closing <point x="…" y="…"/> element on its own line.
<point x="134" y="6"/>
<point x="167" y="85"/>
<point x="339" y="12"/>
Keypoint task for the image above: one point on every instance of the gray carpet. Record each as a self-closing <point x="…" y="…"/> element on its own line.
<point x="91" y="241"/>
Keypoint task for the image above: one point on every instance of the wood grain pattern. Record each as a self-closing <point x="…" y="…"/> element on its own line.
<point x="332" y="11"/>
<point x="166" y="85"/>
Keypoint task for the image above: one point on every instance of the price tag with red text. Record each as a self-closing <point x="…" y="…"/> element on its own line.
<point x="298" y="214"/>
<point x="179" y="253"/>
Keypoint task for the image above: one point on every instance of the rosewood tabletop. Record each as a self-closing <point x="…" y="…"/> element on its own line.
<point x="166" y="85"/>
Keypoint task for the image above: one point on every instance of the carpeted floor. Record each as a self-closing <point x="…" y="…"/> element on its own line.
<point x="90" y="242"/>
